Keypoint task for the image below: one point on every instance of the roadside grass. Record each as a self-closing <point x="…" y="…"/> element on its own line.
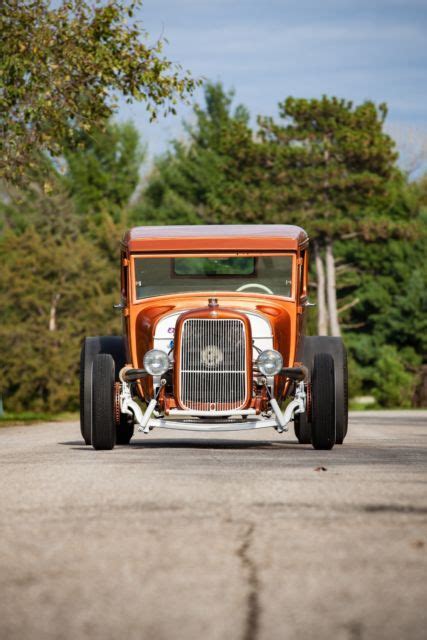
<point x="30" y="417"/>
<point x="355" y="405"/>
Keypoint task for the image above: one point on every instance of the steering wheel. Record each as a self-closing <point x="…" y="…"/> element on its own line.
<point x="255" y="284"/>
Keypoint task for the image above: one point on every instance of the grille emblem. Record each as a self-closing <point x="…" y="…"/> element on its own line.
<point x="211" y="356"/>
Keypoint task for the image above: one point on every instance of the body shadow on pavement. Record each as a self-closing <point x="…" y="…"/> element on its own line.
<point x="195" y="443"/>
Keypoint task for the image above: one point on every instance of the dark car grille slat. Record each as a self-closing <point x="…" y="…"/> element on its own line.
<point x="213" y="364"/>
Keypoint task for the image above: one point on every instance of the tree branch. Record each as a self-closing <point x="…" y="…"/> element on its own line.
<point x="349" y="236"/>
<point x="357" y="325"/>
<point x="349" y="305"/>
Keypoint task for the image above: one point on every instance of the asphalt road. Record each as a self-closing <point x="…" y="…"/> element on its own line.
<point x="235" y="536"/>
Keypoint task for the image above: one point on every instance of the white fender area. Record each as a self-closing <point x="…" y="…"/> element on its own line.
<point x="261" y="330"/>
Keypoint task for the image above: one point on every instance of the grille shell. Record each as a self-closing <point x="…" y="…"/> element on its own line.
<point x="214" y="365"/>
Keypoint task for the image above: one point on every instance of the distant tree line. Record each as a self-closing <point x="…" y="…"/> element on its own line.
<point x="324" y="164"/>
<point x="71" y="185"/>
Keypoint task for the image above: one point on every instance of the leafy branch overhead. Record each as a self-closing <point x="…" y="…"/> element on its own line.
<point x="63" y="67"/>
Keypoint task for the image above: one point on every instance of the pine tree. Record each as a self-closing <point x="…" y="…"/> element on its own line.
<point x="189" y="183"/>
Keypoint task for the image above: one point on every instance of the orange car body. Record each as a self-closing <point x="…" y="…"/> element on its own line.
<point x="142" y="316"/>
<point x="214" y="320"/>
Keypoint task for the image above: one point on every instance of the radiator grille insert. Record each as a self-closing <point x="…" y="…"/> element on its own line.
<point x="213" y="364"/>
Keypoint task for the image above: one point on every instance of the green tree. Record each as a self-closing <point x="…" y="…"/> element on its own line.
<point x="49" y="210"/>
<point x="329" y="167"/>
<point x="59" y="280"/>
<point x="53" y="292"/>
<point x="102" y="173"/>
<point x="331" y="164"/>
<point x="189" y="183"/>
<point x="92" y="191"/>
<point x="387" y="281"/>
<point x="62" y="68"/>
<point x="393" y="384"/>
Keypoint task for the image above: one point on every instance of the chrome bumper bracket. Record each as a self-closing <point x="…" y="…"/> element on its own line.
<point x="146" y="422"/>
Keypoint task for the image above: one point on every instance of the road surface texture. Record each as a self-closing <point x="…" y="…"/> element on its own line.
<point x="231" y="536"/>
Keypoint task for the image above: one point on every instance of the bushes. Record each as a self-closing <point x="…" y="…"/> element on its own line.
<point x="394" y="385"/>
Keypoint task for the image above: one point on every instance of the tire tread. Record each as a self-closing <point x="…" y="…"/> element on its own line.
<point x="323" y="426"/>
<point x="103" y="424"/>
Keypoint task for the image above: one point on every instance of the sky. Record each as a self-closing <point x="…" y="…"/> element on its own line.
<point x="268" y="49"/>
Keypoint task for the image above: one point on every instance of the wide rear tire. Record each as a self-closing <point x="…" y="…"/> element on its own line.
<point x="92" y="346"/>
<point x="125" y="430"/>
<point x="302" y="428"/>
<point x="323" y="426"/>
<point x="103" y="423"/>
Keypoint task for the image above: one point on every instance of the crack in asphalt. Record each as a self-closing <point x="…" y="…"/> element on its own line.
<point x="253" y="608"/>
<point x="395" y="508"/>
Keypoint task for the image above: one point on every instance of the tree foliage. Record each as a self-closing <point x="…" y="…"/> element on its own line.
<point x="328" y="166"/>
<point x="59" y="273"/>
<point x="322" y="165"/>
<point x="327" y="160"/>
<point x="54" y="290"/>
<point x="102" y="173"/>
<point x="189" y="183"/>
<point x="59" y="268"/>
<point x="62" y="67"/>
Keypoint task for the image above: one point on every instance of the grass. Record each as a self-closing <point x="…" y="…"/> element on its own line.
<point x="354" y="405"/>
<point x="374" y="406"/>
<point x="30" y="417"/>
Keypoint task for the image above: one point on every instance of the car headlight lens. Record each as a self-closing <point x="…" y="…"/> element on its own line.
<point x="269" y="362"/>
<point x="156" y="362"/>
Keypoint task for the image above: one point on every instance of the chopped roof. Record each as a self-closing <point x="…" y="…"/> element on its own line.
<point x="256" y="237"/>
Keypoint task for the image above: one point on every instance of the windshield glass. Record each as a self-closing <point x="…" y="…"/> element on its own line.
<point x="213" y="266"/>
<point x="262" y="274"/>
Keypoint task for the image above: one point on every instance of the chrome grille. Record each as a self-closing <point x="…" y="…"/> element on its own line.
<point x="213" y="364"/>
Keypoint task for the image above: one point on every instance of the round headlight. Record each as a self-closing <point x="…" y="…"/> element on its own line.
<point x="156" y="362"/>
<point x="269" y="362"/>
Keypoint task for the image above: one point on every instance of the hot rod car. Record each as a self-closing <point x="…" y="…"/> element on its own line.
<point x="213" y="340"/>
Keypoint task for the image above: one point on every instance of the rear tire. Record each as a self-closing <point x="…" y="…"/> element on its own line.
<point x="125" y="430"/>
<point x="323" y="430"/>
<point x="115" y="346"/>
<point x="341" y="394"/>
<point x="103" y="423"/>
<point x="302" y="428"/>
<point x="85" y="393"/>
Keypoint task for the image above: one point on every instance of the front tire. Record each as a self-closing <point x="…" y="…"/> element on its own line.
<point x="323" y="425"/>
<point x="92" y="346"/>
<point x="103" y="423"/>
<point x="335" y="347"/>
